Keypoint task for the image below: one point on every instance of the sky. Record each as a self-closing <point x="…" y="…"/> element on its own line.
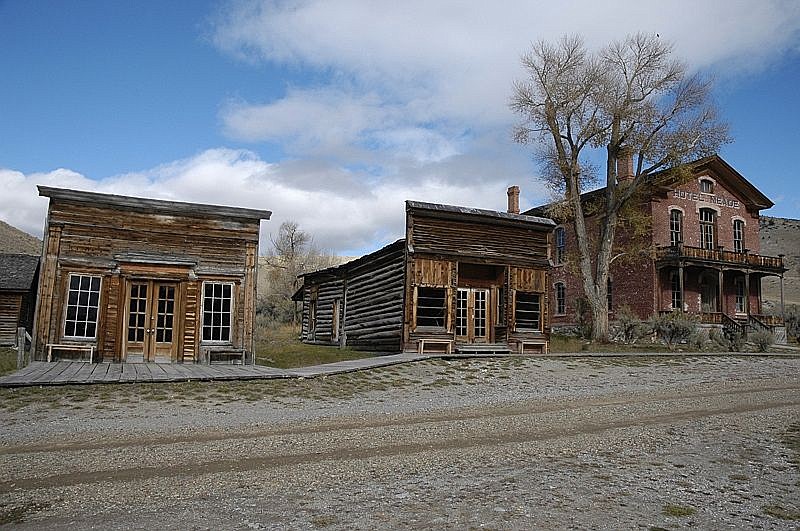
<point x="332" y="114"/>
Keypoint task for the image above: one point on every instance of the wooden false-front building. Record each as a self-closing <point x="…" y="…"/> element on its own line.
<point x="462" y="279"/>
<point x="132" y="279"/>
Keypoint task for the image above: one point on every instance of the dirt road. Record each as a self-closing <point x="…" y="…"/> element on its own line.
<point x="465" y="444"/>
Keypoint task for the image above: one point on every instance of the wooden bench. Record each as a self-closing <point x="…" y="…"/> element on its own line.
<point x="81" y="348"/>
<point x="541" y="346"/>
<point x="225" y="355"/>
<point x="448" y="345"/>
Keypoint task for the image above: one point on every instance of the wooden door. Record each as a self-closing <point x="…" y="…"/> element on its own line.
<point x="473" y="319"/>
<point x="151" y="321"/>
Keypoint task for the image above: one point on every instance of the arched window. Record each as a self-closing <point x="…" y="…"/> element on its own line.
<point x="706" y="186"/>
<point x="708" y="228"/>
<point x="561" y="245"/>
<point x="738" y="235"/>
<point x="675" y="227"/>
<point x="561" y="298"/>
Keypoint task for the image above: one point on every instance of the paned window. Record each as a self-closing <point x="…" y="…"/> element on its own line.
<point x="675" y="227"/>
<point x="431" y="306"/>
<point x="83" y="301"/>
<point x="706" y="186"/>
<point x="708" y="221"/>
<point x="528" y="311"/>
<point x="741" y="296"/>
<point x="738" y="235"/>
<point x="561" y="245"/>
<point x="675" y="285"/>
<point x="561" y="298"/>
<point x="217" y="311"/>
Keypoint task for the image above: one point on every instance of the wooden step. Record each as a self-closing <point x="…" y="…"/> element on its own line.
<point x="483" y="348"/>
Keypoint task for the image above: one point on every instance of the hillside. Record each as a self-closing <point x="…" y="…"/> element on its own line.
<point x="781" y="236"/>
<point x="15" y="241"/>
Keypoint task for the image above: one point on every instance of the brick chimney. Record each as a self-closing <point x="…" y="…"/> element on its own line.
<point x="513" y="199"/>
<point x="625" y="165"/>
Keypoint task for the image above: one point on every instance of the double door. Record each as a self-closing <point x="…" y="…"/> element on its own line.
<point x="150" y="332"/>
<point x="472" y="315"/>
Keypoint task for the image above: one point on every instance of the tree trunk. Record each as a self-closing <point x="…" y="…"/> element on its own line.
<point x="599" y="319"/>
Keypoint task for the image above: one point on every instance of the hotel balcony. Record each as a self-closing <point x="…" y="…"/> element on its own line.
<point x="720" y="257"/>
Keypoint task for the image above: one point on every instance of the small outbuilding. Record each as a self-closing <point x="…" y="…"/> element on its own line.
<point x="462" y="279"/>
<point x="18" y="276"/>
<point x="133" y="279"/>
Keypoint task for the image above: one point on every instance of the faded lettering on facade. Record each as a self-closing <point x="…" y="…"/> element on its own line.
<point x="701" y="197"/>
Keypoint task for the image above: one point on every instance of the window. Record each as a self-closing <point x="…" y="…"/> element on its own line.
<point x="741" y="296"/>
<point x="706" y="186"/>
<point x="609" y="297"/>
<point x="312" y="319"/>
<point x="217" y="310"/>
<point x="528" y="311"/>
<point x="83" y="301"/>
<point x="708" y="221"/>
<point x="675" y="227"/>
<point x="431" y="306"/>
<point x="561" y="245"/>
<point x="561" y="298"/>
<point x="738" y="235"/>
<point x="675" y="286"/>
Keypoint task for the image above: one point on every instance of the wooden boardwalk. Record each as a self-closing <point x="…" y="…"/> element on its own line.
<point x="77" y="373"/>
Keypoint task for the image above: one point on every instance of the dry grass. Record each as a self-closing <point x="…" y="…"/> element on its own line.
<point x="279" y="346"/>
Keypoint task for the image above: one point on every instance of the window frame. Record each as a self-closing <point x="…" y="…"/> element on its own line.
<point x="675" y="227"/>
<point x="78" y="306"/>
<point x="740" y="295"/>
<point x="561" y="298"/>
<point x="231" y="313"/>
<point x="676" y="302"/>
<point x="706" y="185"/>
<point x="538" y="311"/>
<point x="560" y="236"/>
<point x="738" y="235"/>
<point x="443" y="316"/>
<point x="708" y="228"/>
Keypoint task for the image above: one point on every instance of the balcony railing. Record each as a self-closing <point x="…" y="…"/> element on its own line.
<point x="719" y="255"/>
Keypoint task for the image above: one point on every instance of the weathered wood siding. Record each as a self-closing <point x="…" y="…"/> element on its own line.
<point x="10" y="309"/>
<point x="123" y="244"/>
<point x="481" y="240"/>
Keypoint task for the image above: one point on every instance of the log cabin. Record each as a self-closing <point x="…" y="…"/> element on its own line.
<point x="18" y="276"/>
<point x="128" y="279"/>
<point x="462" y="279"/>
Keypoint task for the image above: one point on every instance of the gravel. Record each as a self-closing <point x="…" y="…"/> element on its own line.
<point x="518" y="443"/>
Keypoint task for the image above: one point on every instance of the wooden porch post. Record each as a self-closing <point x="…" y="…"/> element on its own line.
<point x="720" y="292"/>
<point x="783" y="307"/>
<point x="680" y="285"/>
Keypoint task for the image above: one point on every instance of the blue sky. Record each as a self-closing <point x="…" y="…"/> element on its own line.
<point x="333" y="113"/>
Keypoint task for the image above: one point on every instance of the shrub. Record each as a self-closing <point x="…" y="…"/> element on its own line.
<point x="629" y="327"/>
<point x="674" y="328"/>
<point x="762" y="339"/>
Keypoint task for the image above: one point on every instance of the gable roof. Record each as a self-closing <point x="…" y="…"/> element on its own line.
<point x="733" y="180"/>
<point x="466" y="212"/>
<point x="153" y="205"/>
<point x="17" y="271"/>
<point x="15" y="241"/>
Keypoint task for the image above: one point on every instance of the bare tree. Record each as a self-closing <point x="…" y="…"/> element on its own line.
<point x="293" y="253"/>
<point x="630" y="99"/>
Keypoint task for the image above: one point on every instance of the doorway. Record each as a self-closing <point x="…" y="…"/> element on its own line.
<point x="150" y="332"/>
<point x="708" y="293"/>
<point x="472" y="315"/>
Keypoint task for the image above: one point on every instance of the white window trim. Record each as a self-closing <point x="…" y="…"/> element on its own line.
<point x="228" y="341"/>
<point x="66" y="308"/>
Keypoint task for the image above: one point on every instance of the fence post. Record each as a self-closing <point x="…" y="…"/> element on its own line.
<point x="20" y="348"/>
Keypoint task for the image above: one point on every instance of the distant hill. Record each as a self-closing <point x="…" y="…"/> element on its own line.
<point x="781" y="236"/>
<point x="15" y="241"/>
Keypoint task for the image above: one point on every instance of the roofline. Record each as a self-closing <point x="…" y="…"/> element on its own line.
<point x="159" y="205"/>
<point x="334" y="270"/>
<point x="468" y="211"/>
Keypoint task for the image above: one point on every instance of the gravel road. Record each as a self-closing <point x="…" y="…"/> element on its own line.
<point x="518" y="443"/>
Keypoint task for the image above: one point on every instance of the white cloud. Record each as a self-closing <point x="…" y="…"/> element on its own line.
<point x="346" y="217"/>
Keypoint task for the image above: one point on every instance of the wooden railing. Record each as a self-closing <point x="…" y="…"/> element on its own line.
<point x="719" y="255"/>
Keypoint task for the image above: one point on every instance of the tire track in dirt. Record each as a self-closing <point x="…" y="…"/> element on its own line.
<point x="347" y="423"/>
<point x="534" y="434"/>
